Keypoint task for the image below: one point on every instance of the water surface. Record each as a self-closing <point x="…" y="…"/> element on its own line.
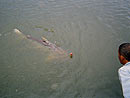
<point x="91" y="29"/>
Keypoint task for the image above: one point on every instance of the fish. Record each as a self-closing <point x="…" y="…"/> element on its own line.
<point x="43" y="41"/>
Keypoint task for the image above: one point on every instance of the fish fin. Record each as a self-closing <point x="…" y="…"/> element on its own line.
<point x="44" y="39"/>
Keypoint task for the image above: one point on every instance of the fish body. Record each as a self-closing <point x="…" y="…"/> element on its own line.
<point x="44" y="42"/>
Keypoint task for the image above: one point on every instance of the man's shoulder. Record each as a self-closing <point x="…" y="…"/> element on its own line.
<point x="124" y="69"/>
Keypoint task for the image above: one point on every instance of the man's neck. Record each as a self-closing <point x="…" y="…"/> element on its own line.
<point x="125" y="61"/>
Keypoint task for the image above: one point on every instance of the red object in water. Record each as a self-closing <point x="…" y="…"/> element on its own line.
<point x="71" y="55"/>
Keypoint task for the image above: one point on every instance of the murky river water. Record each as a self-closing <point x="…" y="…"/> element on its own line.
<point x="91" y="29"/>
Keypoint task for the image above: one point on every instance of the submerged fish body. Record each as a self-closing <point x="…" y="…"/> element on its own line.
<point x="45" y="42"/>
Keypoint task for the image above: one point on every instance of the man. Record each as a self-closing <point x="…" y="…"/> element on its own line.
<point x="124" y="72"/>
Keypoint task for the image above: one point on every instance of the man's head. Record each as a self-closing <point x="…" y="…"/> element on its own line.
<point x="124" y="53"/>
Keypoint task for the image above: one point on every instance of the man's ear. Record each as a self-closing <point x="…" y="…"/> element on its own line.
<point x="122" y="59"/>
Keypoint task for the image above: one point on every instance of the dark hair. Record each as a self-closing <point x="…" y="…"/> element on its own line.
<point x="124" y="50"/>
